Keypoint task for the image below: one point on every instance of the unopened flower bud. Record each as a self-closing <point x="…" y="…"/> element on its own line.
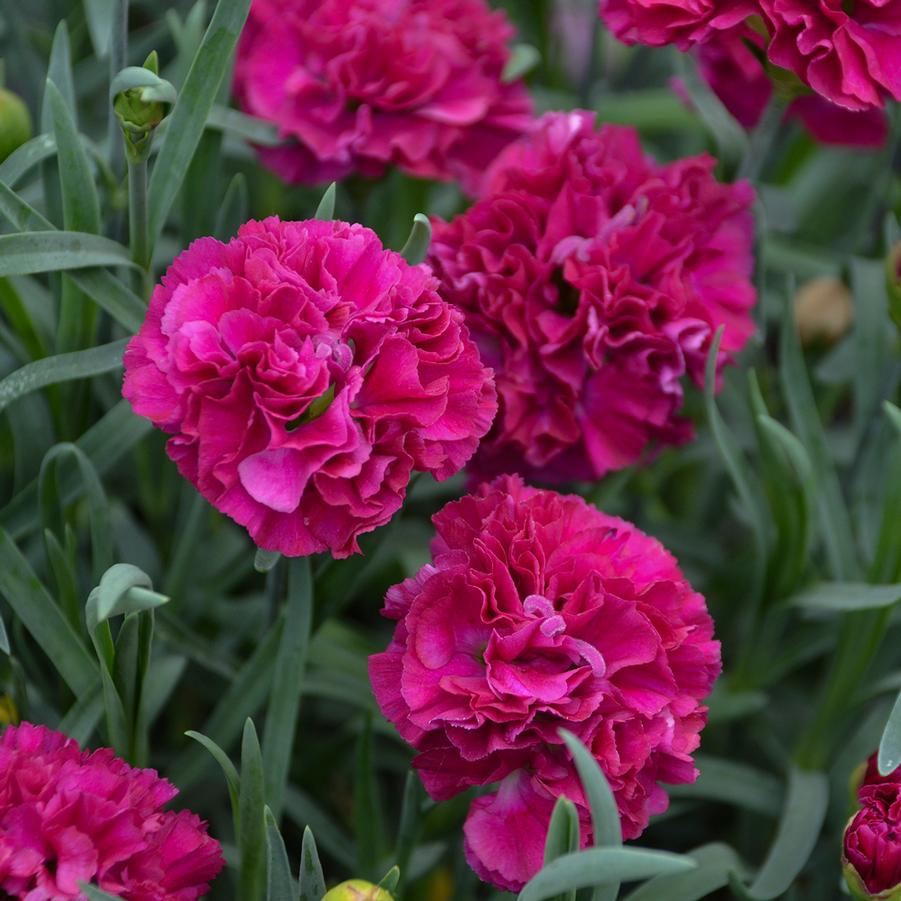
<point x="357" y="890"/>
<point x="824" y="310"/>
<point x="141" y="100"/>
<point x="15" y="123"/>
<point x="871" y="852"/>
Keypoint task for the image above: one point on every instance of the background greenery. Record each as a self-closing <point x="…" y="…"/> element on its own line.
<point x="784" y="512"/>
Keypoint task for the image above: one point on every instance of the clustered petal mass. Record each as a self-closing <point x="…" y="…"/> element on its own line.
<point x="594" y="279"/>
<point x="303" y="372"/>
<point x="847" y="56"/>
<point x="872" y="844"/>
<point x="357" y="85"/>
<point x="69" y="816"/>
<point x="539" y="612"/>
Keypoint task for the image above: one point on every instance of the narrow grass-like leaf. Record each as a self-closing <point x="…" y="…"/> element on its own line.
<point x="312" y="882"/>
<point x="252" y="828"/>
<point x="417" y="245"/>
<point x="49" y="496"/>
<point x="81" y="206"/>
<point x="408" y="829"/>
<point x="834" y="521"/>
<point x="602" y="866"/>
<point x="279" y="884"/>
<point x="4" y="638"/>
<point x="326" y="208"/>
<point x="104" y="444"/>
<point x="390" y="880"/>
<point x="232" y="779"/>
<point x="889" y="758"/>
<point x="81" y="364"/>
<point x="82" y="717"/>
<point x="25" y="158"/>
<point x="234" y="210"/>
<point x="562" y="836"/>
<point x="59" y="71"/>
<point x="715" y="862"/>
<point x="287" y="682"/>
<point x="806" y="801"/>
<point x="240" y="125"/>
<point x="100" y="16"/>
<point x="264" y="561"/>
<point x="746" y="485"/>
<point x="195" y="100"/>
<point x="734" y="783"/>
<point x="886" y="565"/>
<point x="29" y="253"/>
<point x="604" y="812"/>
<point x="39" y="614"/>
<point x="843" y="597"/>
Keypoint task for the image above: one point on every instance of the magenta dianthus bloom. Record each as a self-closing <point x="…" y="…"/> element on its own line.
<point x="849" y="53"/>
<point x="736" y="75"/>
<point x="304" y="371"/>
<point x="540" y="612"/>
<point x="872" y="843"/>
<point x="69" y="816"/>
<point x="594" y="279"/>
<point x="357" y="85"/>
<point x="680" y="22"/>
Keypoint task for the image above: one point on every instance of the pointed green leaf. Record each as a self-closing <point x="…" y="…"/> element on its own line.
<point x="389" y="881"/>
<point x="59" y="71"/>
<point x="26" y="157"/>
<point x="279" y="884"/>
<point x="523" y="58"/>
<point x="799" y="828"/>
<point x="715" y="862"/>
<point x="234" y="211"/>
<point x="252" y="830"/>
<point x="4" y="638"/>
<point x="889" y="758"/>
<point x="228" y="768"/>
<point x="601" y="866"/>
<point x="264" y="561"/>
<point x="123" y="589"/>
<point x="195" y="100"/>
<point x="28" y="253"/>
<point x="326" y="208"/>
<point x="312" y="882"/>
<point x="417" y="245"/>
<point x="562" y="836"/>
<point x="80" y="364"/>
<point x="239" y="125"/>
<point x="842" y="597"/>
<point x="734" y="783"/>
<point x="95" y="894"/>
<point x="100" y="15"/>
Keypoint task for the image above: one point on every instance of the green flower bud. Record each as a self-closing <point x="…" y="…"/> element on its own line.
<point x="357" y="890"/>
<point x="141" y="100"/>
<point x="15" y="123"/>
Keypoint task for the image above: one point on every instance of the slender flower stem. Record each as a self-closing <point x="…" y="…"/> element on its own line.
<point x="138" y="218"/>
<point x="118" y="61"/>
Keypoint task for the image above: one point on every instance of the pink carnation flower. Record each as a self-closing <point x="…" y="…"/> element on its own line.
<point x="303" y="372"/>
<point x="872" y="841"/>
<point x="69" y="816"/>
<point x="361" y="84"/>
<point x="736" y="75"/>
<point x="681" y="22"/>
<point x="540" y="612"/>
<point x="593" y="280"/>
<point x="849" y="53"/>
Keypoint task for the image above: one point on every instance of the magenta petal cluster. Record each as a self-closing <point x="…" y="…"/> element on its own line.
<point x="357" y="85"/>
<point x="680" y="22"/>
<point x="539" y="612"/>
<point x="849" y="53"/>
<point x="872" y="843"/>
<point x="69" y="816"/>
<point x="593" y="279"/>
<point x="303" y="372"/>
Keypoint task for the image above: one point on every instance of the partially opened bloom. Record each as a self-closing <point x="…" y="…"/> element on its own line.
<point x="539" y="612"/>
<point x="872" y="844"/>
<point x="594" y="279"/>
<point x="69" y="816"/>
<point x="357" y="85"/>
<point x="304" y="372"/>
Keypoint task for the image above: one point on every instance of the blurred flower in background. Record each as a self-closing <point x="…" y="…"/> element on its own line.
<point x="593" y="279"/>
<point x="539" y="612"/>
<point x="360" y="85"/>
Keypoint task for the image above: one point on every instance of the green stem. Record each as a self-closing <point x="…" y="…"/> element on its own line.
<point x="139" y="218"/>
<point x="763" y="137"/>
